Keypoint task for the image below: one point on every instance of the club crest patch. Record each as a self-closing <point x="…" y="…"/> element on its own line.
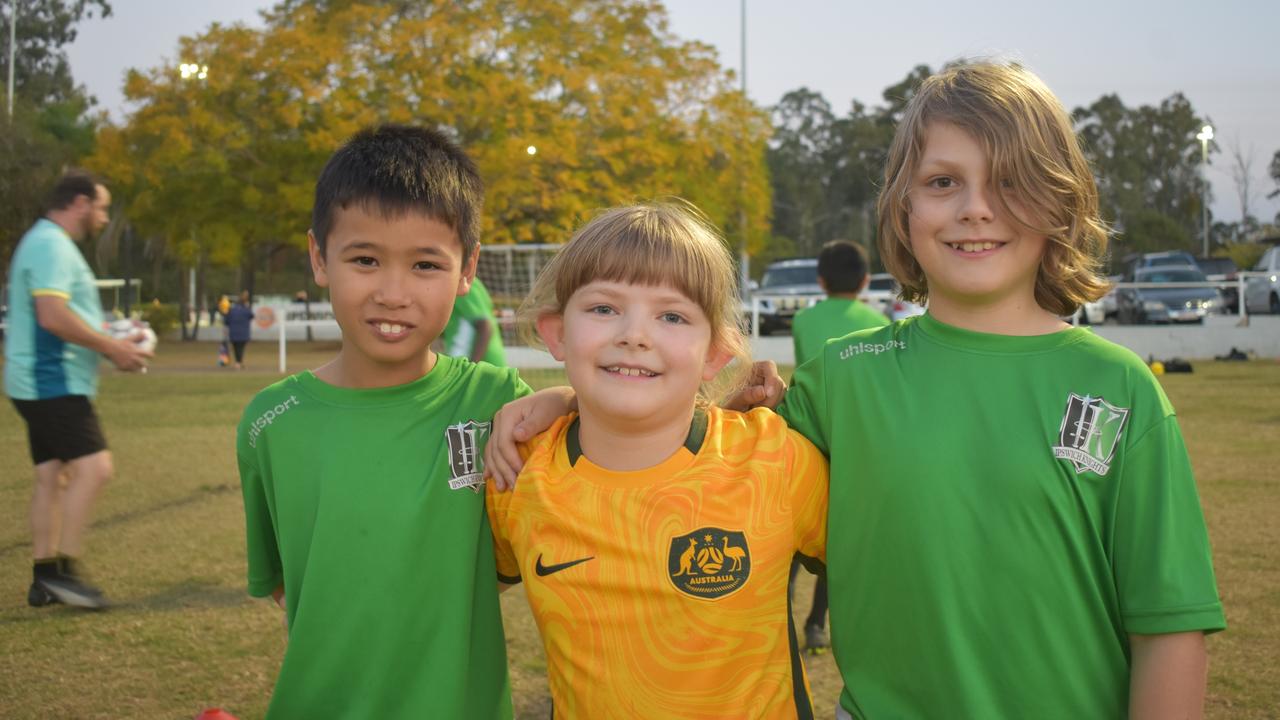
<point x="1090" y="431"/>
<point x="709" y="563"/>
<point x="466" y="465"/>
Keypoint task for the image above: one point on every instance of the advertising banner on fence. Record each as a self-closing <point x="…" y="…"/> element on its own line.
<point x="267" y="319"/>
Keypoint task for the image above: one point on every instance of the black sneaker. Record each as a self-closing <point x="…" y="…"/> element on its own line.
<point x="37" y="596"/>
<point x="815" y="639"/>
<point x="69" y="587"/>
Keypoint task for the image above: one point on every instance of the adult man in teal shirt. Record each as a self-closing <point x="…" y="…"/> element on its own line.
<point x="51" y="375"/>
<point x="842" y="273"/>
<point x="473" y="331"/>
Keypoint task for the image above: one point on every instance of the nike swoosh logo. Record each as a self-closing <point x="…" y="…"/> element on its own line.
<point x="544" y="570"/>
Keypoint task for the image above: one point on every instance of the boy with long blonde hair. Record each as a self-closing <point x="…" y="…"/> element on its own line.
<point x="1035" y="546"/>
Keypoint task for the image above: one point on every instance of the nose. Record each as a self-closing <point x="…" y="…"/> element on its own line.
<point x="977" y="205"/>
<point x="393" y="291"/>
<point x="633" y="332"/>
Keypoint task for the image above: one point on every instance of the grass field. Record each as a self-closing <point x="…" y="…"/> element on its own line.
<point x="167" y="545"/>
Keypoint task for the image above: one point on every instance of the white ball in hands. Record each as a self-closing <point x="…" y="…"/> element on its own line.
<point x="140" y="333"/>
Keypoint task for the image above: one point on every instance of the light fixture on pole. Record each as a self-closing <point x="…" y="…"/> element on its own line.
<point x="1204" y="136"/>
<point x="193" y="71"/>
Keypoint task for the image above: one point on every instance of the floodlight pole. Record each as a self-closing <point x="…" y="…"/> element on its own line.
<point x="1204" y="136"/>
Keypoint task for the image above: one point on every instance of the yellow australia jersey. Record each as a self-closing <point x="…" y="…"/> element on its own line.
<point x="662" y="593"/>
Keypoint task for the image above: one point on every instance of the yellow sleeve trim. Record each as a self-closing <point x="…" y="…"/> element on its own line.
<point x="46" y="292"/>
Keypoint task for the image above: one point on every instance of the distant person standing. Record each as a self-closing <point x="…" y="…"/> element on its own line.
<point x="842" y="273"/>
<point x="51" y="375"/>
<point x="238" y="319"/>
<point x="473" y="330"/>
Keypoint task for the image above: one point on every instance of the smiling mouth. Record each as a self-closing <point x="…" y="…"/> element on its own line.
<point x="975" y="246"/>
<point x="629" y="372"/>
<point x="390" y="329"/>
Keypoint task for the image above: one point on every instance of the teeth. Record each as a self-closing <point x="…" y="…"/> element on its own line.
<point x="630" y="372"/>
<point x="973" y="246"/>
<point x="391" y="328"/>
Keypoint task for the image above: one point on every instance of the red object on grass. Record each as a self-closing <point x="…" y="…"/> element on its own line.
<point x="215" y="714"/>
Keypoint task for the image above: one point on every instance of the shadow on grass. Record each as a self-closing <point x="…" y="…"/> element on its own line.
<point x="122" y="518"/>
<point x="188" y="594"/>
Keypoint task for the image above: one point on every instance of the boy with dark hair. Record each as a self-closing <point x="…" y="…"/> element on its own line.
<point x="362" y="478"/>
<point x="842" y="273"/>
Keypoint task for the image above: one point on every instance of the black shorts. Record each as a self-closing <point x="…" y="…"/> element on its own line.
<point x="62" y="428"/>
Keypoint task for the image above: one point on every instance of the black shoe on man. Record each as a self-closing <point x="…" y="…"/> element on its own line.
<point x="68" y="586"/>
<point x="37" y="596"/>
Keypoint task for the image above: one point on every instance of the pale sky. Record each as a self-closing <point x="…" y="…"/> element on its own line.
<point x="1221" y="56"/>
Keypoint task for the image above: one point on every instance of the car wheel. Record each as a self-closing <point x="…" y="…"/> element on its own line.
<point x="1275" y="304"/>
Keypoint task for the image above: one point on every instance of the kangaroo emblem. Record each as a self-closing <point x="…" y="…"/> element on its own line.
<point x="686" y="558"/>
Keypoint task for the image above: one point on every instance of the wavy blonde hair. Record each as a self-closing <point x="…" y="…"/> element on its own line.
<point x="1029" y="139"/>
<point x="668" y="243"/>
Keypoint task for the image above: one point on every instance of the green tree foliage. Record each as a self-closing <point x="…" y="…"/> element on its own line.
<point x="616" y="106"/>
<point x="41" y="72"/>
<point x="826" y="169"/>
<point x="1147" y="162"/>
<point x="51" y="127"/>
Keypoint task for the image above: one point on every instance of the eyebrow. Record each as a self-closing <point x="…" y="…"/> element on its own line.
<point x="667" y="298"/>
<point x="371" y="245"/>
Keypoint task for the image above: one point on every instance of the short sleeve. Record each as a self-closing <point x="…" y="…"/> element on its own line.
<point x="51" y="270"/>
<point x="1163" y="566"/>
<point x="265" y="572"/>
<point x="808" y="487"/>
<point x="805" y="405"/>
<point x="498" y="505"/>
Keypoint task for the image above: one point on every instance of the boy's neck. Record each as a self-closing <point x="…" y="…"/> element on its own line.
<point x="843" y="296"/>
<point x="347" y="370"/>
<point x="623" y="445"/>
<point x="1012" y="316"/>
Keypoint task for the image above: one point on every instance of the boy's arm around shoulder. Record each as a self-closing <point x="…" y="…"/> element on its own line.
<point x="520" y="421"/>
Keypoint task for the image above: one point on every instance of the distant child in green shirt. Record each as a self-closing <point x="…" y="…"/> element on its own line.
<point x="842" y="274"/>
<point x="473" y="330"/>
<point x="363" y="488"/>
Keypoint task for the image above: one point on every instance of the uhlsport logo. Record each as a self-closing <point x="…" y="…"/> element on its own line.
<point x="709" y="563"/>
<point x="1090" y="431"/>
<point x="860" y="348"/>
<point x="466" y="467"/>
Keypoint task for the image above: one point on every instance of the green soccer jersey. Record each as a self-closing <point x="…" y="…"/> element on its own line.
<point x="831" y="318"/>
<point x="460" y="334"/>
<point x="1004" y="512"/>
<point x="367" y="505"/>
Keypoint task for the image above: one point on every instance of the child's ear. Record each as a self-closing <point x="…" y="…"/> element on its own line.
<point x="551" y="330"/>
<point x="717" y="358"/>
<point x="468" y="272"/>
<point x="317" y="260"/>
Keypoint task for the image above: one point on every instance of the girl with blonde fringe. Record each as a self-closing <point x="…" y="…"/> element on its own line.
<point x="653" y="531"/>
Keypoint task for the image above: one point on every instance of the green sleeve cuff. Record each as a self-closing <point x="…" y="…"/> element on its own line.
<point x="1208" y="618"/>
<point x="264" y="587"/>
